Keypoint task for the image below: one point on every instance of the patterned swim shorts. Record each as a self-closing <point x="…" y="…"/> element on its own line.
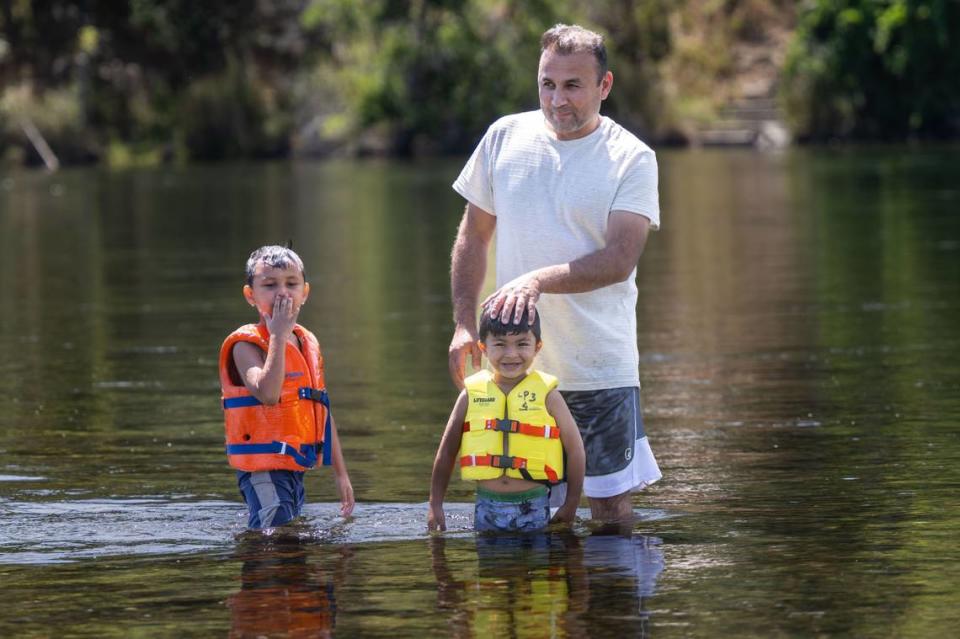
<point x="528" y="511"/>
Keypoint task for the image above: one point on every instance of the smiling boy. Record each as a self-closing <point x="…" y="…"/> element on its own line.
<point x="508" y="431"/>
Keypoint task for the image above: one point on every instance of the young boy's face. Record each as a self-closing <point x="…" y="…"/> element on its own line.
<point x="270" y="282"/>
<point x="511" y="355"/>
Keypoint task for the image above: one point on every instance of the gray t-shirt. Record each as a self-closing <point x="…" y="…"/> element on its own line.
<point x="552" y="200"/>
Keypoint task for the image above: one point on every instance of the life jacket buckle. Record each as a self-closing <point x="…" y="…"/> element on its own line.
<point x="505" y="461"/>
<point x="315" y="394"/>
<point x="503" y="425"/>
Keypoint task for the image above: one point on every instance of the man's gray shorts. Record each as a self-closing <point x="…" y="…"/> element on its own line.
<point x="619" y="458"/>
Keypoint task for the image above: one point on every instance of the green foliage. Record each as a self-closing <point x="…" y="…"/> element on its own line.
<point x="227" y="115"/>
<point x="430" y="75"/>
<point x="176" y="78"/>
<point x="638" y="39"/>
<point x="153" y="73"/>
<point x="879" y="70"/>
<point x="56" y="114"/>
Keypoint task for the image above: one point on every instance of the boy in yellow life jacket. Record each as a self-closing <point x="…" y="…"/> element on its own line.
<point x="508" y="431"/>
<point x="275" y="404"/>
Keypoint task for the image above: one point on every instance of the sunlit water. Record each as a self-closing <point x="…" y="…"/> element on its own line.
<point x="799" y="335"/>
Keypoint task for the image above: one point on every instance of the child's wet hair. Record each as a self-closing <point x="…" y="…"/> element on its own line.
<point x="493" y="325"/>
<point x="275" y="256"/>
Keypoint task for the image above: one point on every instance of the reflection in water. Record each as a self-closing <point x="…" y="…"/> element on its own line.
<point x="282" y="591"/>
<point x="548" y="585"/>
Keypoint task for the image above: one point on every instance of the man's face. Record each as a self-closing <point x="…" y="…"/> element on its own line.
<point x="570" y="96"/>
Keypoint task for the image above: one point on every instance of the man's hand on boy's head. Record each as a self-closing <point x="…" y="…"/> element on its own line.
<point x="513" y="298"/>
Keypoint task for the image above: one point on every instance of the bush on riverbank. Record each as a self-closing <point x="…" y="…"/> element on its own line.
<point x="860" y="69"/>
<point x="153" y="80"/>
<point x="56" y="112"/>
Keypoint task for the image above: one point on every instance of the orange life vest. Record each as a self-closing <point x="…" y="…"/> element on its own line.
<point x="289" y="435"/>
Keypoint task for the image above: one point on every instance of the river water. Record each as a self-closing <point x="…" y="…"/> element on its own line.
<point x="799" y="331"/>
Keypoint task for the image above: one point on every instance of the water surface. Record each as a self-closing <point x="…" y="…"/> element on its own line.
<point x="799" y="339"/>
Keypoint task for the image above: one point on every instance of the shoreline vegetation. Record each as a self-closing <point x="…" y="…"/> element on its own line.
<point x="147" y="82"/>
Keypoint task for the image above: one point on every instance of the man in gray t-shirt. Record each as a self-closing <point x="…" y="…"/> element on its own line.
<point x="572" y="196"/>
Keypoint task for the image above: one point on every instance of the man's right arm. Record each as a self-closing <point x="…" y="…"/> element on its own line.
<point x="468" y="267"/>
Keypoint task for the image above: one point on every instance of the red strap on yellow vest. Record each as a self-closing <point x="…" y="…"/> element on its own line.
<point x="513" y="426"/>
<point x="503" y="461"/>
<point x="497" y="461"/>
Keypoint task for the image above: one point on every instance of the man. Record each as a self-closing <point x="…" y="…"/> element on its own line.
<point x="572" y="196"/>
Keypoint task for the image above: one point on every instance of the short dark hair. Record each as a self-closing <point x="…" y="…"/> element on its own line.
<point x="493" y="325"/>
<point x="275" y="256"/>
<point x="571" y="38"/>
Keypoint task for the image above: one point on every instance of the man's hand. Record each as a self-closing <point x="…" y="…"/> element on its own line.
<point x="464" y="341"/>
<point x="513" y="298"/>
<point x="436" y="519"/>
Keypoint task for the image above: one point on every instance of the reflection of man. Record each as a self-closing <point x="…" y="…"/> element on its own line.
<point x="282" y="593"/>
<point x="572" y="196"/>
<point x="622" y="573"/>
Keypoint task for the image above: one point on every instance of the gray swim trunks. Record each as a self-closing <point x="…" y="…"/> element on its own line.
<point x="619" y="458"/>
<point x="528" y="511"/>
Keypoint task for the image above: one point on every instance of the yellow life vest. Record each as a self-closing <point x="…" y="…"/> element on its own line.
<point x="510" y="434"/>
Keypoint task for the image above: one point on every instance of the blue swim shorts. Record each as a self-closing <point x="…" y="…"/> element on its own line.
<point x="274" y="497"/>
<point x="528" y="511"/>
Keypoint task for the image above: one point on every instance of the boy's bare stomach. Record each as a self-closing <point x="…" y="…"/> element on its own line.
<point x="504" y="484"/>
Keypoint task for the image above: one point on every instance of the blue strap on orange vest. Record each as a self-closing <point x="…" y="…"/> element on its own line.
<point x="307" y="455"/>
<point x="241" y="402"/>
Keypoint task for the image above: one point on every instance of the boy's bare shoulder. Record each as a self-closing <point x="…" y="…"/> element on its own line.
<point x="555" y="403"/>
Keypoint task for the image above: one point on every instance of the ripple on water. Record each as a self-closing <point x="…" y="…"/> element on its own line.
<point x="65" y="531"/>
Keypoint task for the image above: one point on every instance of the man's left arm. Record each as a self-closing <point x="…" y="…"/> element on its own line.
<point x="625" y="239"/>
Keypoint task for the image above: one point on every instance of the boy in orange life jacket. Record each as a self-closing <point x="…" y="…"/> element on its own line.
<point x="508" y="431"/>
<point x="278" y="421"/>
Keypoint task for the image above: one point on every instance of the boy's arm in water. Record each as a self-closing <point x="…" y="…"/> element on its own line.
<point x="443" y="463"/>
<point x="340" y="475"/>
<point x="576" y="458"/>
<point x="262" y="373"/>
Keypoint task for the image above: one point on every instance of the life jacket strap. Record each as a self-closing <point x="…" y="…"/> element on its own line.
<point x="305" y="456"/>
<point x="316" y="394"/>
<point x="495" y="461"/>
<point x="504" y="461"/>
<point x="304" y="392"/>
<point x="514" y="426"/>
<point x="240" y="402"/>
